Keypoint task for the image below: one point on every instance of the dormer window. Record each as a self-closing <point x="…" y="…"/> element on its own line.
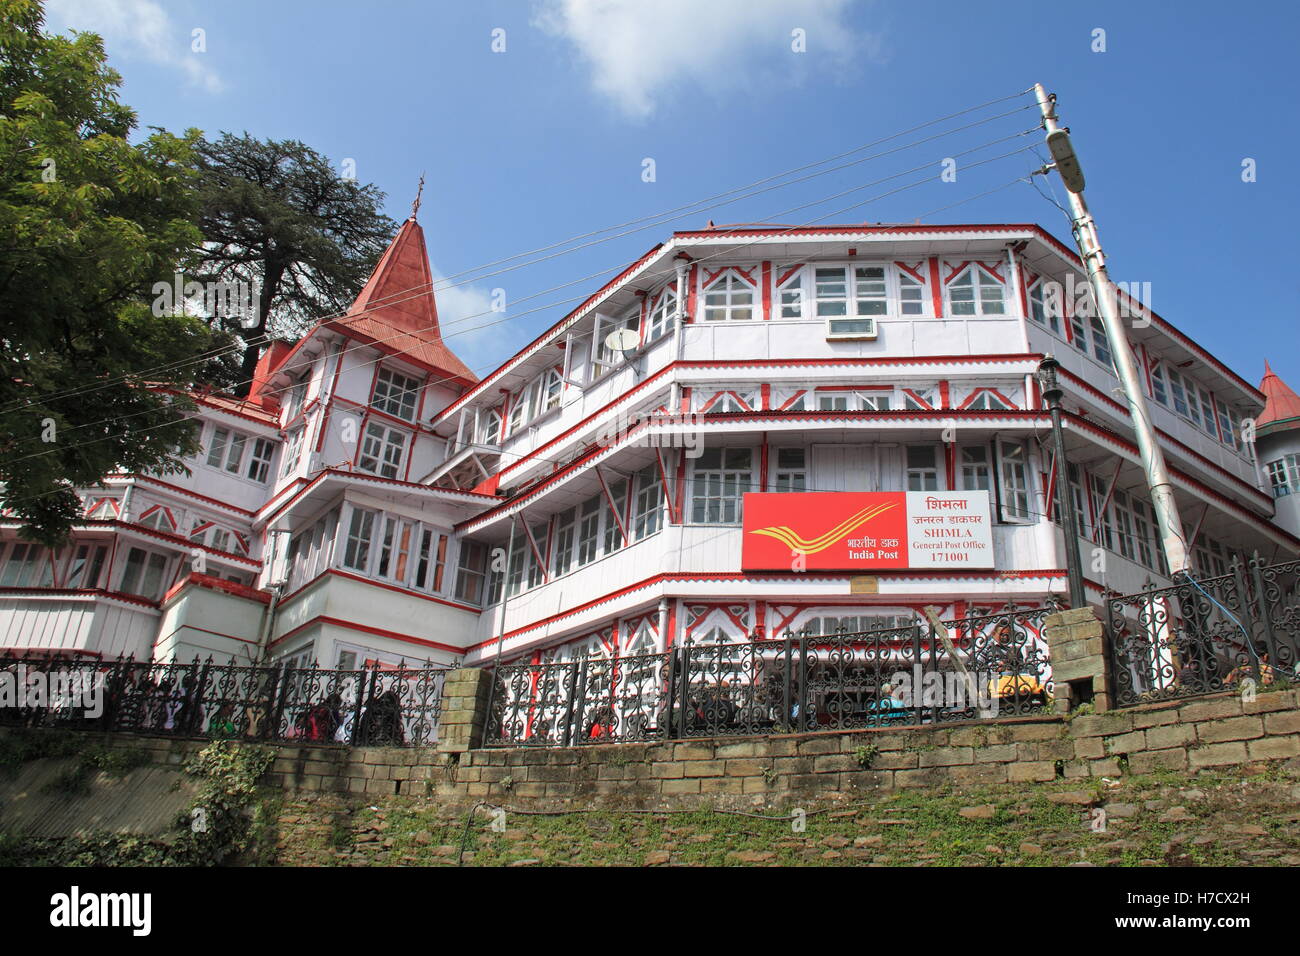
<point x="395" y="394"/>
<point x="976" y="292"/>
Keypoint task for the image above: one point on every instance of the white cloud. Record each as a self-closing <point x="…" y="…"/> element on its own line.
<point x="137" y="28"/>
<point x="478" y="336"/>
<point x="641" y="52"/>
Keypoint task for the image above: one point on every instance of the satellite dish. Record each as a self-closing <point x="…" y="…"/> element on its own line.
<point x="623" y="341"/>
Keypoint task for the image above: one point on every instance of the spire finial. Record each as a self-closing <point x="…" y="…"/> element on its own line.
<point x="415" y="206"/>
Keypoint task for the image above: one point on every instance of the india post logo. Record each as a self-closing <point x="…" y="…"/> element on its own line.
<point x="830" y="530"/>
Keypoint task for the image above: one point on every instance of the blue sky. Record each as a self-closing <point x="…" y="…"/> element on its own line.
<point x="547" y="139"/>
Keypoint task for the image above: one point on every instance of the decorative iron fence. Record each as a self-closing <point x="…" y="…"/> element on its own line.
<point x="377" y="705"/>
<point x="1199" y="637"/>
<point x="974" y="667"/>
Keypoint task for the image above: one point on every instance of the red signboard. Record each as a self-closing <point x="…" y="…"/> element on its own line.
<point x="859" y="531"/>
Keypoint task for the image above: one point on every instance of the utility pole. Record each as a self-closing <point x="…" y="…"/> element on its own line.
<point x="1103" y="293"/>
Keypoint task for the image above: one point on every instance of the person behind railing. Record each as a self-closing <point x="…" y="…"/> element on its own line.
<point x="1267" y="673"/>
<point x="222" y="725"/>
<point x="886" y="707"/>
<point x="601" y="726"/>
<point x="321" y="720"/>
<point x="381" y="724"/>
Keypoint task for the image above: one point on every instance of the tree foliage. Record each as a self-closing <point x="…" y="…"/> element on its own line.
<point x="277" y="214"/>
<point x="89" y="221"/>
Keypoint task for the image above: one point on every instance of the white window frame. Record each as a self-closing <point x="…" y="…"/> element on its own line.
<point x="723" y="486"/>
<point x="1014" y="474"/>
<point x="395" y="393"/>
<point x="377" y="445"/>
<point x="978" y="279"/>
<point x="730" y="297"/>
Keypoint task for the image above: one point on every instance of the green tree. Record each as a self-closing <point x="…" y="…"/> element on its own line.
<point x="89" y="221"/>
<point x="277" y="216"/>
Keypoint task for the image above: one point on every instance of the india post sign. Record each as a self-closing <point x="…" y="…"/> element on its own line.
<point x="869" y="530"/>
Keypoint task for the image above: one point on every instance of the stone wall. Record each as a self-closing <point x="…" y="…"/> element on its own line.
<point x="1215" y="731"/>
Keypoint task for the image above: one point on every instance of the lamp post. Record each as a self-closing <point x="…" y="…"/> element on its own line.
<point x="1052" y="392"/>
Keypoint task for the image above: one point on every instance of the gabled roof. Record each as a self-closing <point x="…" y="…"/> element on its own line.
<point x="1281" y="404"/>
<point x="397" y="311"/>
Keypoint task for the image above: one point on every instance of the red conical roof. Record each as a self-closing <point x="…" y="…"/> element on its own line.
<point x="397" y="311"/>
<point x="1281" y="403"/>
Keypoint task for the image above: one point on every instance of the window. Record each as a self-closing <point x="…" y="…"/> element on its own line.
<point x="143" y="574"/>
<point x="382" y="450"/>
<point x="1101" y="523"/>
<point x="1101" y="344"/>
<point x="720" y="477"/>
<point x="850" y="310"/>
<point x="292" y="450"/>
<point x="1284" y="475"/>
<point x="589" y="530"/>
<point x="1124" y="527"/>
<point x="1079" y="332"/>
<point x="662" y="315"/>
<point x="395" y="394"/>
<point x="206" y="533"/>
<point x="604" y="358"/>
<point x="729" y="297"/>
<point x="834" y="401"/>
<point x="471" y="572"/>
<point x="1159" y="390"/>
<point x="311" y="551"/>
<point x="918" y="399"/>
<point x="1015" y="481"/>
<point x="1184" y="396"/>
<point x="86" y="565"/>
<point x="975" y="472"/>
<point x="987" y="400"/>
<point x="1045" y="305"/>
<point x="648" y="506"/>
<point x="975" y="292"/>
<point x="28" y="567"/>
<point x="791" y="470"/>
<point x="356" y="551"/>
<point x="394" y="549"/>
<point x="790" y="292"/>
<point x="520" y="559"/>
<point x="1227" y="431"/>
<point x="158" y="519"/>
<point x="911" y="294"/>
<point x="226" y="450"/>
<point x="259" y="462"/>
<point x="1143" y="523"/>
<point x="430" y="558"/>
<point x="922" y="469"/>
<point x="294" y="400"/>
<point x="874" y="401"/>
<point x="565" y="529"/>
<point x="614" y="538"/>
<point x="828" y="625"/>
<point x="490" y="427"/>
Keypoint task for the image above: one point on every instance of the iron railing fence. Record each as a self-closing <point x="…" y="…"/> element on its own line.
<point x="374" y="705"/>
<point x="977" y="666"/>
<point x="1201" y="637"/>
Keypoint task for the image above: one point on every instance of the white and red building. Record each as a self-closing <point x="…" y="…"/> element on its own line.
<point x="373" y="500"/>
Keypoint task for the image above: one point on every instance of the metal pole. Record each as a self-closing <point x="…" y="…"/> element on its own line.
<point x="1103" y="293"/>
<point x="1070" y="521"/>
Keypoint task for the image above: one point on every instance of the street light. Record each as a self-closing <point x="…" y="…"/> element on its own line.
<point x="1052" y="392"/>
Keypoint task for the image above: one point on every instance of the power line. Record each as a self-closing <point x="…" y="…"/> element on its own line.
<point x="618" y="267"/>
<point x="422" y="287"/>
